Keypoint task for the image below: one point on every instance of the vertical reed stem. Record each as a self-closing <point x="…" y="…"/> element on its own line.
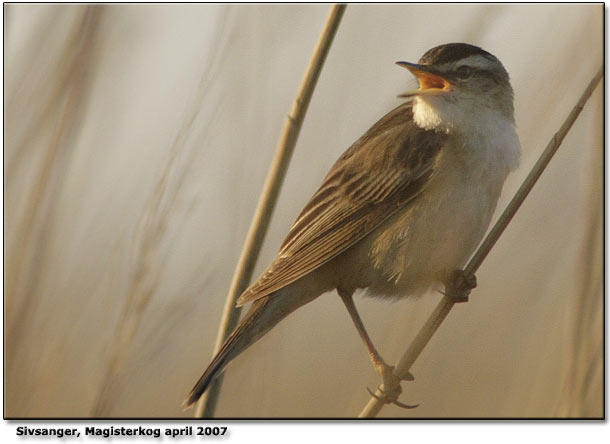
<point x="401" y="370"/>
<point x="268" y="199"/>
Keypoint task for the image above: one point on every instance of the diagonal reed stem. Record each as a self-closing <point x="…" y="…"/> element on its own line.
<point x="268" y="199"/>
<point x="401" y="370"/>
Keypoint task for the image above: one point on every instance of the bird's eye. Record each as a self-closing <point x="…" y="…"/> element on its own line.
<point x="463" y="72"/>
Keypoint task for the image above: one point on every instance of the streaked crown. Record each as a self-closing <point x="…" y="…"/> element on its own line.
<point x="473" y="71"/>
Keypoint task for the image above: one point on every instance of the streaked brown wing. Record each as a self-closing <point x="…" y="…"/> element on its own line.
<point x="375" y="177"/>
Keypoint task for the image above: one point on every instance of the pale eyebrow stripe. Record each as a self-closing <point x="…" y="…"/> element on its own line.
<point x="475" y="61"/>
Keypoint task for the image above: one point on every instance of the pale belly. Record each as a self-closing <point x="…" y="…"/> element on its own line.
<point x="419" y="247"/>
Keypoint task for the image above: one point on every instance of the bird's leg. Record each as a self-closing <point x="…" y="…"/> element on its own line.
<point x="391" y="383"/>
<point x="459" y="286"/>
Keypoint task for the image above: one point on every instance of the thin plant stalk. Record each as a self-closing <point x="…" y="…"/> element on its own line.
<point x="266" y="204"/>
<point x="27" y="259"/>
<point x="148" y="262"/>
<point x="401" y="370"/>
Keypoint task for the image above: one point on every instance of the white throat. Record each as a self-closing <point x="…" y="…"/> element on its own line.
<point x="427" y="117"/>
<point x="485" y="135"/>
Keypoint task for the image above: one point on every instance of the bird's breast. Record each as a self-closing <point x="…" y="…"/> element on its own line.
<point x="435" y="233"/>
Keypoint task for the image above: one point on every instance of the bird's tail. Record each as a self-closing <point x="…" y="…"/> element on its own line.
<point x="264" y="314"/>
<point x="242" y="337"/>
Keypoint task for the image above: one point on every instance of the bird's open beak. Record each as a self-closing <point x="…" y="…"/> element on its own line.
<point x="430" y="82"/>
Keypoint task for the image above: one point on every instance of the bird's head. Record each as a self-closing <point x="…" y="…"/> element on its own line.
<point x="458" y="81"/>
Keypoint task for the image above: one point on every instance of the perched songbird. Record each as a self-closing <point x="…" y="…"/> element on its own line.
<point x="403" y="208"/>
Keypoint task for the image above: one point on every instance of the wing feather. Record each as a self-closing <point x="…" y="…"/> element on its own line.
<point x="384" y="170"/>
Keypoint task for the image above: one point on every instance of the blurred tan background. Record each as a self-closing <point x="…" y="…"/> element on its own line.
<point x="137" y="139"/>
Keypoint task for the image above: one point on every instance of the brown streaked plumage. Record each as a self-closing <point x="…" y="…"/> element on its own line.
<point x="403" y="208"/>
<point x="366" y="185"/>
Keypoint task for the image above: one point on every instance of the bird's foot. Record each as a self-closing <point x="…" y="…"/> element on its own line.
<point x="390" y="389"/>
<point x="459" y="286"/>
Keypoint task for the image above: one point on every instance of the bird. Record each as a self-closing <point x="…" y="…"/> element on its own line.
<point x="402" y="210"/>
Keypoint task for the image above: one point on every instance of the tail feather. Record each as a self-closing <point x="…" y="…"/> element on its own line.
<point x="264" y="314"/>
<point x="204" y="381"/>
<point x="242" y="337"/>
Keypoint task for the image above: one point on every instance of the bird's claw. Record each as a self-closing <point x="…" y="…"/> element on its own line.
<point x="391" y="388"/>
<point x="459" y="286"/>
<point x="388" y="400"/>
<point x="405" y="406"/>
